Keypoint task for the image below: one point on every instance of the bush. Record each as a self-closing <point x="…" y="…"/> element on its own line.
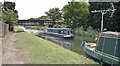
<point x="79" y="31"/>
<point x="18" y="29"/>
<point x="60" y="26"/>
<point x="33" y="27"/>
<point x="90" y="32"/>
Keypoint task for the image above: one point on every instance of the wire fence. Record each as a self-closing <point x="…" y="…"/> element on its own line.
<point x="4" y="29"/>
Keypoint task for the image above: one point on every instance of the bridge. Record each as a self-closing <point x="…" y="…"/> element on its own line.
<point x="36" y="22"/>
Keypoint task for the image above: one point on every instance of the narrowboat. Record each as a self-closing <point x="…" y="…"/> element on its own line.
<point x="106" y="49"/>
<point x="60" y="32"/>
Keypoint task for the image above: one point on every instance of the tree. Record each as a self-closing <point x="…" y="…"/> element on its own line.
<point x="10" y="18"/>
<point x="40" y="18"/>
<point x="117" y="17"/>
<point x="8" y="6"/>
<point x="10" y="15"/>
<point x="75" y="14"/>
<point x="54" y="14"/>
<point x="111" y="23"/>
<point x="45" y="18"/>
<point x="95" y="18"/>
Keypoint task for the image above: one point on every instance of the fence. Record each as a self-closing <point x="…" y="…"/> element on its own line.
<point x="4" y="28"/>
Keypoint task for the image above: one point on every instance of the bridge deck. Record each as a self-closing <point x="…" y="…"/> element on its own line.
<point x="36" y="22"/>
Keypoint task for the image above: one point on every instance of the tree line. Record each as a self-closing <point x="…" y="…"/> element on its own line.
<point x="77" y="14"/>
<point x="73" y="15"/>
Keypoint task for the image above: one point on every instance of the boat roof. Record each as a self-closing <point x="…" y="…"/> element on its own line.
<point x="58" y="28"/>
<point x="110" y="32"/>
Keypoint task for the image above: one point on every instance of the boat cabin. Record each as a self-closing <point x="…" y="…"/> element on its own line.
<point x="61" y="32"/>
<point x="109" y="43"/>
<point x="107" y="48"/>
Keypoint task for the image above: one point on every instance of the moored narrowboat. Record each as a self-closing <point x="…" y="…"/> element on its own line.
<point x="107" y="48"/>
<point x="60" y="32"/>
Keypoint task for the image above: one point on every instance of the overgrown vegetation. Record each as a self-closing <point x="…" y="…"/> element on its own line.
<point x="90" y="32"/>
<point x="18" y="29"/>
<point x="60" y="25"/>
<point x="33" y="27"/>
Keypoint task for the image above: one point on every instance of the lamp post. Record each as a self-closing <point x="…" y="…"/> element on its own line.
<point x="104" y="12"/>
<point x="102" y="22"/>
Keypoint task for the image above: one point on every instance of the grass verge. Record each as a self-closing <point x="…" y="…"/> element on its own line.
<point x="40" y="51"/>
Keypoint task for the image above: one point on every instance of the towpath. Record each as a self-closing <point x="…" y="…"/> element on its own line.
<point x="9" y="55"/>
<point x="0" y="51"/>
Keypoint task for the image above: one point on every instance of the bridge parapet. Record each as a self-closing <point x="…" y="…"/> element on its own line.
<point x="36" y="22"/>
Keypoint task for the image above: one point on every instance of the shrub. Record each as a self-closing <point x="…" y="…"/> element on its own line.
<point x="60" y="26"/>
<point x="90" y="32"/>
<point x="18" y="29"/>
<point x="33" y="27"/>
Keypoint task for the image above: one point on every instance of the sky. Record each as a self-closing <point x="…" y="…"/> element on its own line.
<point x="36" y="8"/>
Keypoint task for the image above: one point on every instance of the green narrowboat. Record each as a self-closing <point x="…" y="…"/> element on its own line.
<point x="106" y="49"/>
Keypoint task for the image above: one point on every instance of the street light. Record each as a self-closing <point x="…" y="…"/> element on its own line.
<point x="104" y="12"/>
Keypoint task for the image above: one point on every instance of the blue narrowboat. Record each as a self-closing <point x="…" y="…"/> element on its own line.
<point x="60" y="32"/>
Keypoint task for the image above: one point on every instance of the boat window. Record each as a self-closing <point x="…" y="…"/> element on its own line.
<point x="118" y="49"/>
<point x="62" y="32"/>
<point x="65" y="31"/>
<point x="119" y="36"/>
<point x="109" y="46"/>
<point x="100" y="43"/>
<point x="55" y="31"/>
<point x="59" y="31"/>
<point x="117" y="52"/>
<point x="69" y="32"/>
<point x="50" y="30"/>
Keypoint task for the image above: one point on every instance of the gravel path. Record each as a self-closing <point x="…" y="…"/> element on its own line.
<point x="0" y="51"/>
<point x="9" y="55"/>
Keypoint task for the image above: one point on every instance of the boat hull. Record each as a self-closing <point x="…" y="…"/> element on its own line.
<point x="59" y="35"/>
<point x="101" y="56"/>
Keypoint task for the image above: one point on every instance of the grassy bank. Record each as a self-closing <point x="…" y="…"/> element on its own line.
<point x="39" y="51"/>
